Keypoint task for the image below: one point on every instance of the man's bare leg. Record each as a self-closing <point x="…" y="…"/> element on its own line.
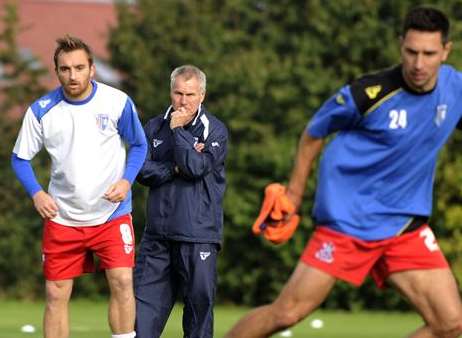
<point x="56" y="317"/>
<point x="303" y="293"/>
<point x="435" y="295"/>
<point x="122" y="300"/>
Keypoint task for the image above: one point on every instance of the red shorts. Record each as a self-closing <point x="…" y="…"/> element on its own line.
<point x="68" y="250"/>
<point x="351" y="259"/>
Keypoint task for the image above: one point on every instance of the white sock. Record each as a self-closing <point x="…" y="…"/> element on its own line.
<point x="125" y="335"/>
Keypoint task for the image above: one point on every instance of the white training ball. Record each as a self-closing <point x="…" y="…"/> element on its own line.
<point x="317" y="323"/>
<point x="286" y="333"/>
<point x="28" y="328"/>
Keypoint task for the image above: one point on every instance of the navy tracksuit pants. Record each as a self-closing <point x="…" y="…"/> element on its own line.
<point x="166" y="269"/>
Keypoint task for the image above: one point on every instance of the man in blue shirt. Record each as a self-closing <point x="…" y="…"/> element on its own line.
<point x="374" y="192"/>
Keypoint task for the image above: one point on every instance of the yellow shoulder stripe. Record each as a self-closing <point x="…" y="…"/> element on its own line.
<point x="382" y="100"/>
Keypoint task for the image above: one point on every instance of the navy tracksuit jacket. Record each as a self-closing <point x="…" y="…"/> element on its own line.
<point x="185" y="206"/>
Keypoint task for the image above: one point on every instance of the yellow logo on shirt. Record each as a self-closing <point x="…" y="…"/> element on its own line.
<point x="373" y="91"/>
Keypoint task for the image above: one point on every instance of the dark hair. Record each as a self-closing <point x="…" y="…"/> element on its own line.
<point x="70" y="43"/>
<point x="427" y="19"/>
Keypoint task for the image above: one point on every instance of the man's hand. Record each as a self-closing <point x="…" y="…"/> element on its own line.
<point x="180" y="118"/>
<point x="277" y="220"/>
<point x="199" y="147"/>
<point x="118" y="191"/>
<point x="45" y="205"/>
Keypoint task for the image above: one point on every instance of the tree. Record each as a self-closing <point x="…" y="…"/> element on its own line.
<point x="20" y="228"/>
<point x="21" y="74"/>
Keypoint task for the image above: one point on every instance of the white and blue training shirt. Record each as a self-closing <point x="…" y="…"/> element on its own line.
<point x="85" y="140"/>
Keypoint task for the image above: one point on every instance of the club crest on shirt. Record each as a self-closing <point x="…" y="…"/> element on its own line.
<point x="441" y="112"/>
<point x="102" y="121"/>
<point x="326" y="253"/>
<point x="156" y="142"/>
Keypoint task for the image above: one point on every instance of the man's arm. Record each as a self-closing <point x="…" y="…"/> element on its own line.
<point x="194" y="161"/>
<point x="308" y="150"/>
<point x="132" y="133"/>
<point x="28" y="144"/>
<point x="154" y="173"/>
<point x="43" y="202"/>
<point x="339" y="112"/>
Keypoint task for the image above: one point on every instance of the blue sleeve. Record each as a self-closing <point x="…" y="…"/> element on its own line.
<point x="25" y="174"/>
<point x="154" y="173"/>
<point x="339" y="112"/>
<point x="194" y="164"/>
<point x="132" y="133"/>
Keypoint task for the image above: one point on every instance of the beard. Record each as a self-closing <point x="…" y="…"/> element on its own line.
<point x="77" y="90"/>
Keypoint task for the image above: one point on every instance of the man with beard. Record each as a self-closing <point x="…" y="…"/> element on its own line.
<point x="84" y="126"/>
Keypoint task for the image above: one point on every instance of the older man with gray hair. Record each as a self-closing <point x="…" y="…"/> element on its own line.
<point x="185" y="173"/>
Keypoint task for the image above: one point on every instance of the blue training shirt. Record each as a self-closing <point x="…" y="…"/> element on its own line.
<point x="377" y="174"/>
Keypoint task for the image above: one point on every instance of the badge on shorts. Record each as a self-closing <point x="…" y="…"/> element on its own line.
<point x="326" y="253"/>
<point x="127" y="237"/>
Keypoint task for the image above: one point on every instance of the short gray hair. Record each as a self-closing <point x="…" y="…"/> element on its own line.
<point x="188" y="72"/>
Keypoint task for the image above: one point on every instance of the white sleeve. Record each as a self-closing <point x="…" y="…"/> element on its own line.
<point x="30" y="138"/>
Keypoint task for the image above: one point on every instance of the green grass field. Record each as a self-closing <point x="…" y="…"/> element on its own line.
<point x="88" y="320"/>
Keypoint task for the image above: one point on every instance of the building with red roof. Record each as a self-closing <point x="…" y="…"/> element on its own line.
<point x="43" y="21"/>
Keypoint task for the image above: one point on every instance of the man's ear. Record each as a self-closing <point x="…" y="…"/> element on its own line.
<point x="447" y="49"/>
